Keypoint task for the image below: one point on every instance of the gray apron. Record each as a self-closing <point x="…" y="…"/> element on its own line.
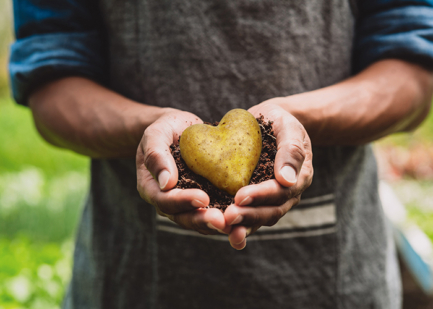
<point x="207" y="57"/>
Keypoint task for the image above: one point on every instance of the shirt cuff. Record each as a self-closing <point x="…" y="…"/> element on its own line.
<point x="38" y="59"/>
<point x="404" y="33"/>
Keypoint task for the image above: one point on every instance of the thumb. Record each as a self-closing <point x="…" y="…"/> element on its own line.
<point x="157" y="156"/>
<point x="292" y="141"/>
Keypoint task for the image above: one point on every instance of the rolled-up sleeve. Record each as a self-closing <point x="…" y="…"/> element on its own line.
<point x="400" y="29"/>
<point x="55" y="39"/>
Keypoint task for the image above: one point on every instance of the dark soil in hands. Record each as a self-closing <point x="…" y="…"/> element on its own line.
<point x="218" y="198"/>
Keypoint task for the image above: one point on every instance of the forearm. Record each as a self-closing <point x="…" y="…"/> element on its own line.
<point x="78" y="114"/>
<point x="389" y="96"/>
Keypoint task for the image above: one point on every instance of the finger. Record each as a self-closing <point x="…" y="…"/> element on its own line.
<point x="237" y="237"/>
<point x="156" y="155"/>
<point x="169" y="202"/>
<point x="306" y="176"/>
<point x="257" y="216"/>
<point x="269" y="192"/>
<point x="291" y="151"/>
<point x="155" y="146"/>
<point x="240" y="246"/>
<point x="205" y="221"/>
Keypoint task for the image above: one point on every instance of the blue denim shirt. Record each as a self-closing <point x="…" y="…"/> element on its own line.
<point x="66" y="37"/>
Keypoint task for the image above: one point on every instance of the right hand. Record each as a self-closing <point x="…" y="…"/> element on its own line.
<point x="265" y="203"/>
<point x="157" y="175"/>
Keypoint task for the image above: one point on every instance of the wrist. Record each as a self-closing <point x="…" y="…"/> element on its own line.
<point x="142" y="116"/>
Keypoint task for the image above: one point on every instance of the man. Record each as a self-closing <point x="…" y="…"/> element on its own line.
<point x="98" y="75"/>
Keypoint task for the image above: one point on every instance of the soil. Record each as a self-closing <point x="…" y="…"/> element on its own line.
<point x="218" y="198"/>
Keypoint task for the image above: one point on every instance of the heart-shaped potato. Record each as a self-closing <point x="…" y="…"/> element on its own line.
<point x="227" y="154"/>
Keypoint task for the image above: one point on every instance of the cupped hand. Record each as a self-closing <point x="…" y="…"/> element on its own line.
<point x="157" y="175"/>
<point x="265" y="203"/>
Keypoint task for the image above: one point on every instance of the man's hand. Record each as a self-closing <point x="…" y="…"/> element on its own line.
<point x="265" y="203"/>
<point x="157" y="175"/>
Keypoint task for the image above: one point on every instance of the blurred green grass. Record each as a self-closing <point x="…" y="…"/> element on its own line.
<point x="40" y="186"/>
<point x="21" y="144"/>
<point x="33" y="275"/>
<point x="42" y="189"/>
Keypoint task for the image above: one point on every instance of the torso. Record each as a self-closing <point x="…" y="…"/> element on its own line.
<point x="208" y="57"/>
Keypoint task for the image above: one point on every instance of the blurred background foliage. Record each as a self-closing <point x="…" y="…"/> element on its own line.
<point x="42" y="189"/>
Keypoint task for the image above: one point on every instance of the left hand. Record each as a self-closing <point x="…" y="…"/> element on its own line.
<point x="265" y="203"/>
<point x="157" y="176"/>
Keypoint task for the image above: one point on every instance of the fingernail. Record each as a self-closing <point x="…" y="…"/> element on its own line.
<point x="210" y="225"/>
<point x="198" y="204"/>
<point x="289" y="174"/>
<point x="246" y="201"/>
<point x="243" y="247"/>
<point x="237" y="220"/>
<point x="163" y="179"/>
<point x="248" y="231"/>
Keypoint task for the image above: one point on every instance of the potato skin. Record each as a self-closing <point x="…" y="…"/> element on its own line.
<point x="227" y="154"/>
